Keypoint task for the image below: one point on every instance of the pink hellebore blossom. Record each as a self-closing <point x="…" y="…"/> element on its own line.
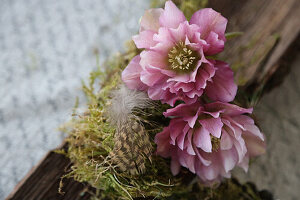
<point x="174" y="64"/>
<point x="209" y="139"/>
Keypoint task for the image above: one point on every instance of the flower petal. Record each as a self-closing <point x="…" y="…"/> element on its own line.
<point x="213" y="125"/>
<point x="175" y="167"/>
<point x="171" y="16"/>
<point x="255" y="146"/>
<point x="154" y="59"/>
<point x="226" y="141"/>
<point x="222" y="87"/>
<point x="150" y="20"/>
<point x="150" y="79"/>
<point x="248" y="125"/>
<point x="215" y="45"/>
<point x="209" y="20"/>
<point x="176" y="127"/>
<point x="229" y="159"/>
<point x="162" y="140"/>
<point x="245" y="163"/>
<point x="227" y="108"/>
<point x="202" y="139"/>
<point x="131" y="75"/>
<point x="144" y="39"/>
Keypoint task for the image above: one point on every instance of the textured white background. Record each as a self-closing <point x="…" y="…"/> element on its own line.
<point x="46" y="48"/>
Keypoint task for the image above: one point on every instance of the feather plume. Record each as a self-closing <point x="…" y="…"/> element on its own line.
<point x="132" y="143"/>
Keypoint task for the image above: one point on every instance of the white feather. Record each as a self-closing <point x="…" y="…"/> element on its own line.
<point x="125" y="103"/>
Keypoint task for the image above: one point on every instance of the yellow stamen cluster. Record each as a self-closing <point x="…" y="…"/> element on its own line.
<point x="182" y="58"/>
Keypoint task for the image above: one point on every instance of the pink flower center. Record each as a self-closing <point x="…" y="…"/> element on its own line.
<point x="181" y="58"/>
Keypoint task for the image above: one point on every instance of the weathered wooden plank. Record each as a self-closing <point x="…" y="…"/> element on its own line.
<point x="42" y="182"/>
<point x="270" y="27"/>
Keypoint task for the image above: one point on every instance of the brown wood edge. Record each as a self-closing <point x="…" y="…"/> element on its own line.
<point x="279" y="70"/>
<point x="32" y="170"/>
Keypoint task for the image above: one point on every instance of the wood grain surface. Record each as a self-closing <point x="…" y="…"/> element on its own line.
<point x="42" y="182"/>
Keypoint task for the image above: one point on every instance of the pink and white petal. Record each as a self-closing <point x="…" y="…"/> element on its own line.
<point x="193" y="46"/>
<point x="252" y="129"/>
<point x="255" y="146"/>
<point x="215" y="46"/>
<point x="182" y="157"/>
<point x="245" y="163"/>
<point x="171" y="17"/>
<point x="213" y="114"/>
<point x="165" y="37"/>
<point x="150" y="78"/>
<point x="185" y="87"/>
<point x="209" y="20"/>
<point x="210" y="172"/>
<point x="201" y="79"/>
<point x="229" y="159"/>
<point x="191" y="120"/>
<point x="154" y="93"/>
<point x="190" y="162"/>
<point x="176" y="127"/>
<point x="241" y="148"/>
<point x="180" y="140"/>
<point x="150" y="20"/>
<point x="153" y="59"/>
<point x="233" y="130"/>
<point x="202" y="139"/>
<point x="185" y="78"/>
<point x="184" y="32"/>
<point x="193" y="74"/>
<point x="131" y="75"/>
<point x="198" y="40"/>
<point x="226" y="141"/>
<point x="189" y="144"/>
<point x="162" y="140"/>
<point x="203" y="160"/>
<point x="222" y="87"/>
<point x="175" y="166"/>
<point x="193" y="96"/>
<point x="179" y="34"/>
<point x="227" y="108"/>
<point x="169" y="98"/>
<point x="183" y="110"/>
<point x="205" y="72"/>
<point x="213" y="125"/>
<point x="144" y="39"/>
<point x="248" y="125"/>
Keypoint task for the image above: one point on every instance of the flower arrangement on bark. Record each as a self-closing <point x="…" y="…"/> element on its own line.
<point x="168" y="98"/>
<point x="209" y="139"/>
